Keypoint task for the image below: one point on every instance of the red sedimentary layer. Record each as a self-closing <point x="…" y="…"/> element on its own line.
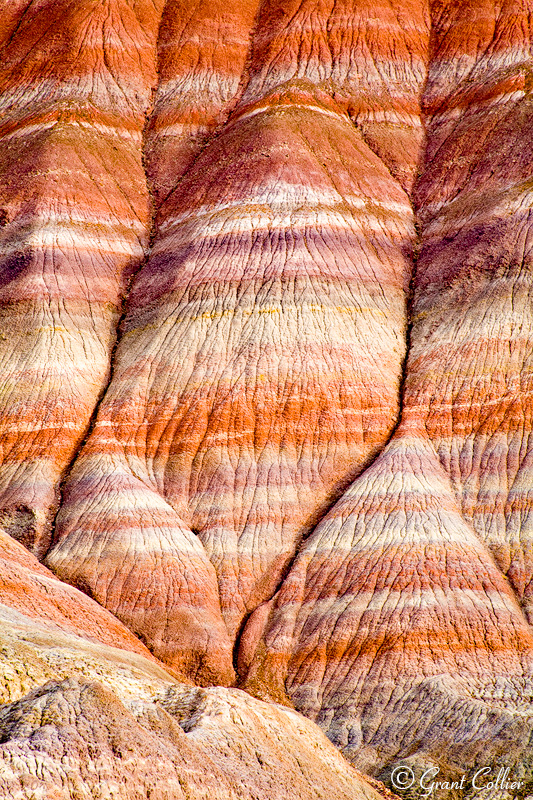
<point x="202" y="53"/>
<point x="28" y="587"/>
<point x="370" y="56"/>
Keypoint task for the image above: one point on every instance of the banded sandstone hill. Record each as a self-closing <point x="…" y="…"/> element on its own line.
<point x="266" y="381"/>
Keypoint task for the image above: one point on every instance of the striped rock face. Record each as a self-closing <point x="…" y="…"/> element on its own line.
<point x="396" y="629"/>
<point x="300" y="461"/>
<point x="277" y="282"/>
<point x="470" y="372"/>
<point x="75" y="82"/>
<point x="202" y="53"/>
<point x="86" y="711"/>
<point x="30" y="589"/>
<point x="370" y="55"/>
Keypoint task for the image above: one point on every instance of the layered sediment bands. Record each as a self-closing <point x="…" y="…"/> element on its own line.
<point x="202" y="55"/>
<point x="470" y="372"/>
<point x="371" y="57"/>
<point x="245" y="485"/>
<point x="75" y="83"/>
<point x="28" y="588"/>
<point x="394" y="630"/>
<point x="130" y="549"/>
<point x="277" y="284"/>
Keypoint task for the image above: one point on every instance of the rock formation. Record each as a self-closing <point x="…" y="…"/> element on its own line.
<point x="75" y="738"/>
<point x="87" y="719"/>
<point x="75" y="84"/>
<point x="397" y="600"/>
<point x="266" y="384"/>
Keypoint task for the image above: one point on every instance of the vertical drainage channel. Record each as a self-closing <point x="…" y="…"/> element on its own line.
<point x="123" y="310"/>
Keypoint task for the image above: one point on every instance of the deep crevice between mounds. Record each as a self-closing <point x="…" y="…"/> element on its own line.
<point x="342" y="486"/>
<point x="118" y="329"/>
<point x="321" y="512"/>
<point x="226" y="114"/>
<point x="155" y="207"/>
<point x="92" y="421"/>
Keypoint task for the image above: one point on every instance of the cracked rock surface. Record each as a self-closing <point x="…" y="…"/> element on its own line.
<point x="122" y="728"/>
<point x="266" y="384"/>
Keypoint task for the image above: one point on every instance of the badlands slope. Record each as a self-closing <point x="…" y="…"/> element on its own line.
<point x="266" y="384"/>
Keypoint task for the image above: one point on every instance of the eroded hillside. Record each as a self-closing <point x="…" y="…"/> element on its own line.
<point x="265" y="381"/>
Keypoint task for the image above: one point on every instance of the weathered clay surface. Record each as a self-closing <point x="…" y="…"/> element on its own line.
<point x="122" y="728"/>
<point x="88" y="712"/>
<point x="75" y="738"/>
<point x="305" y="467"/>
<point x="277" y="281"/>
<point x="371" y="56"/>
<point x="26" y="586"/>
<point x="469" y="380"/>
<point x="396" y="629"/>
<point x="75" y="83"/>
<point x="289" y="368"/>
<point x="202" y="55"/>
